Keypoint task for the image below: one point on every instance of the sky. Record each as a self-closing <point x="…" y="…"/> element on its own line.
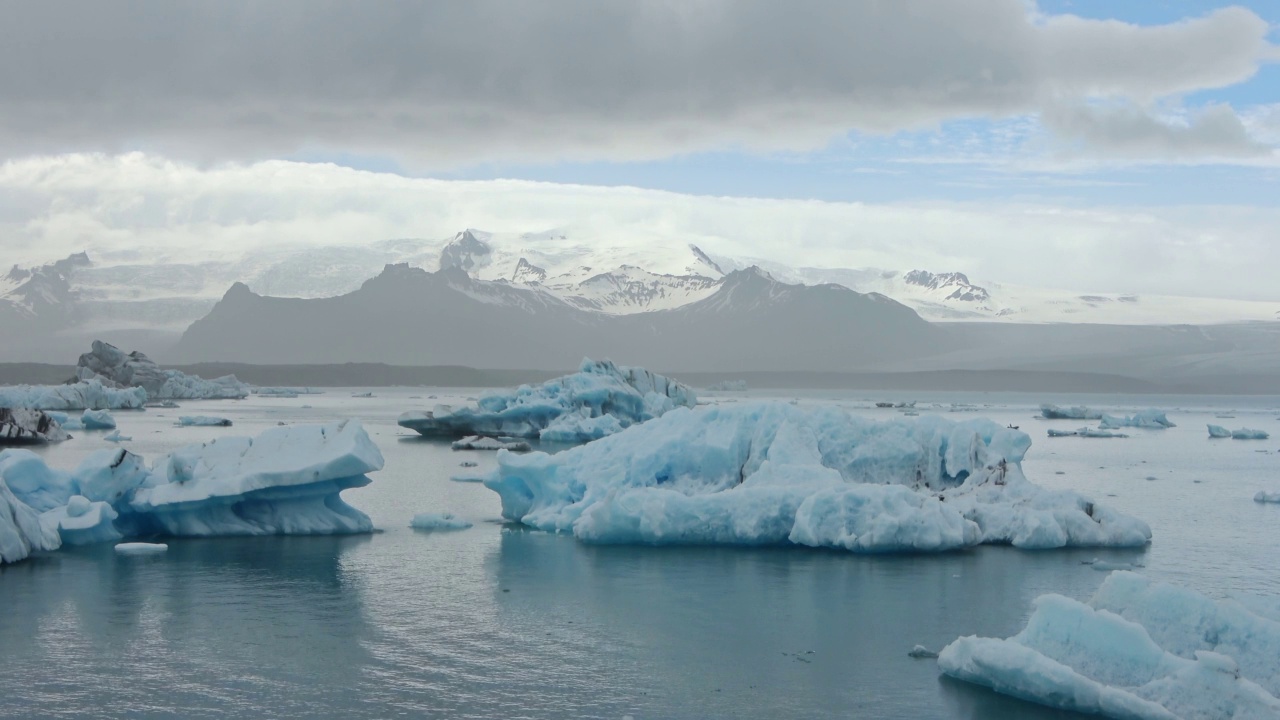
<point x="1090" y="145"/>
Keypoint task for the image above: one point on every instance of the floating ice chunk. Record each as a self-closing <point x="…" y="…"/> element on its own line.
<point x="1086" y="432"/>
<point x="469" y="477"/>
<point x="1267" y="497"/>
<point x="1151" y="418"/>
<point x="85" y="395"/>
<point x="729" y="386"/>
<point x="1138" y="650"/>
<point x="572" y="408"/>
<point x="83" y="522"/>
<point x="772" y="473"/>
<point x="285" y="481"/>
<point x="203" y="421"/>
<point x="33" y="482"/>
<point x="1053" y="412"/>
<point x="97" y="420"/>
<point x="476" y="442"/>
<point x="141" y="548"/>
<point x="1217" y="431"/>
<point x="21" y="426"/>
<point x="21" y="532"/>
<point x="921" y="651"/>
<point x="116" y="437"/>
<point x="111" y="366"/>
<point x="438" y="521"/>
<point x="65" y="421"/>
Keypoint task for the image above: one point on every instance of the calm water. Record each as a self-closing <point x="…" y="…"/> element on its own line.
<point x="496" y="621"/>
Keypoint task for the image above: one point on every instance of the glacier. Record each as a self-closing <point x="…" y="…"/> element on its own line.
<point x="83" y="395"/>
<point x="1150" y="418"/>
<point x="769" y="473"/>
<point x="114" y="368"/>
<point x="1139" y="649"/>
<point x="22" y="426"/>
<point x="599" y="400"/>
<point x="1217" y="431"/>
<point x="1053" y="412"/>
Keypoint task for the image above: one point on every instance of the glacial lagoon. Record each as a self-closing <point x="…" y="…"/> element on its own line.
<point x="500" y="621"/>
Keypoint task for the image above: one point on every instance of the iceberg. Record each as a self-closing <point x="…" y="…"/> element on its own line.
<point x="286" y="481"/>
<point x="112" y="367"/>
<point x="33" y="482"/>
<point x="97" y="420"/>
<point x="475" y="442"/>
<point x="83" y="522"/>
<point x="1267" y="497"/>
<point x="1151" y="418"/>
<point x="83" y="395"/>
<point x="438" y="521"/>
<point x="1086" y="432"/>
<point x="1217" y="431"/>
<point x="770" y="473"/>
<point x="1137" y="649"/>
<point x="21" y="531"/>
<point x="203" y="421"/>
<point x="1053" y="412"/>
<point x="21" y="426"/>
<point x="600" y="399"/>
<point x="116" y="437"/>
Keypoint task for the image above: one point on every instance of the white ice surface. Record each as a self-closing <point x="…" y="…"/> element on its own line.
<point x="773" y="473"/>
<point x="21" y="531"/>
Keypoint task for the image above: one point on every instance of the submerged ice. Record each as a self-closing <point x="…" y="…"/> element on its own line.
<point x="1138" y="649"/>
<point x="773" y="473"/>
<point x="601" y="399"/>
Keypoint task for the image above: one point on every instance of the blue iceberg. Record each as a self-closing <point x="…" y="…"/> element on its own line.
<point x="83" y="395"/>
<point x="600" y="399"/>
<point x="1150" y="418"/>
<point x="770" y="473"/>
<point x="1053" y="412"/>
<point x="438" y="521"/>
<point x="1217" y="431"/>
<point x="21" y="531"/>
<point x="83" y="522"/>
<point x="1137" y="649"/>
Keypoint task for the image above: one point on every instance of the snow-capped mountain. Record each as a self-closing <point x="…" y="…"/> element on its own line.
<point x="131" y="291"/>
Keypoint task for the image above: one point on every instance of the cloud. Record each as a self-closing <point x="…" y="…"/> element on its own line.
<point x="1129" y="132"/>
<point x="147" y="208"/>
<point x="448" y="84"/>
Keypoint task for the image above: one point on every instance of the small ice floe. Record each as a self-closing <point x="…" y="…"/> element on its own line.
<point x="1108" y="566"/>
<point x="140" y="548"/>
<point x="1086" y="432"/>
<point x="438" y="521"/>
<point x="1267" y="497"/>
<point x="477" y="442"/>
<point x="921" y="652"/>
<point x="1217" y="431"/>
<point x="469" y="477"/>
<point x="203" y="421"/>
<point x="115" y="436"/>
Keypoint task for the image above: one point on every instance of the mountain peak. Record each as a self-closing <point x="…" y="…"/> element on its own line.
<point x="466" y="251"/>
<point x="961" y="288"/>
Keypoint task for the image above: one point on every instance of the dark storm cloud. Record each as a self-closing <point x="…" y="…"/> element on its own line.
<point x="447" y="83"/>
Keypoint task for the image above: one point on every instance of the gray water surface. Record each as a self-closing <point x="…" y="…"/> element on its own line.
<point x="500" y="622"/>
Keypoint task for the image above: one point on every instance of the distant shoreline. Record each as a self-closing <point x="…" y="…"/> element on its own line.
<point x="381" y="375"/>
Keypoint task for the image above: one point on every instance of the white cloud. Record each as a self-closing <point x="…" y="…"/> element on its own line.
<point x="148" y="207"/>
<point x="453" y="83"/>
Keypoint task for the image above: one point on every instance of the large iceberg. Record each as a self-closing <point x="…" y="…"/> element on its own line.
<point x="21" y="426"/>
<point x="113" y="367"/>
<point x="21" y="531"/>
<point x="286" y="481"/>
<point x="1150" y="418"/>
<point x="773" y="473"/>
<point x="83" y="395"/>
<point x="1053" y="412"/>
<point x="600" y="399"/>
<point x="1137" y="650"/>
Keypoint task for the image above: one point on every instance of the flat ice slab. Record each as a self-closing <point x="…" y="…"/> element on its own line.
<point x="438" y="521"/>
<point x="600" y="399"/>
<point x="1138" y="649"/>
<point x="141" y="548"/>
<point x="767" y="473"/>
<point x="475" y="442"/>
